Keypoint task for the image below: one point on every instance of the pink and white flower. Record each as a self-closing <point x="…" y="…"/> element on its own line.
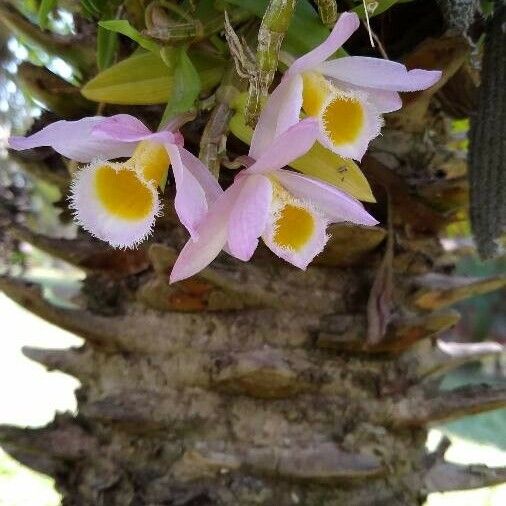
<point x="289" y="211"/>
<point x="347" y="95"/>
<point x="118" y="201"/>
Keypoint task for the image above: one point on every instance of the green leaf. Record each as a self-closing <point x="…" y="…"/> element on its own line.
<point x="186" y="84"/>
<point x="145" y="78"/>
<point x="107" y="44"/>
<point x="141" y="79"/>
<point x="125" y="28"/>
<point x="46" y="6"/>
<point x="209" y="67"/>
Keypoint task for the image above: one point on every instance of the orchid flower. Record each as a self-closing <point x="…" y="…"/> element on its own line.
<point x="289" y="211"/>
<point x="118" y="201"/>
<point x="347" y="95"/>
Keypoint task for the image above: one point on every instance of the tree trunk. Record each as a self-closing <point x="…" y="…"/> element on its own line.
<point x="259" y="384"/>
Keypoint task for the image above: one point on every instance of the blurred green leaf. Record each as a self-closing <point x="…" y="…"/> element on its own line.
<point x="125" y="28"/>
<point x="487" y="7"/>
<point x="90" y="8"/>
<point x="79" y="56"/>
<point x="29" y="7"/>
<point x="186" y="84"/>
<point x="100" y="9"/>
<point x="46" y="6"/>
<point x="107" y="44"/>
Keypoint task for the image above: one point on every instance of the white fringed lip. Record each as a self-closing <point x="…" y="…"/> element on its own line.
<point x="302" y="256"/>
<point x="91" y="214"/>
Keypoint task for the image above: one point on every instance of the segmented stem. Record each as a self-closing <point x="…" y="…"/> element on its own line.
<point x="328" y="11"/>
<point x="272" y="31"/>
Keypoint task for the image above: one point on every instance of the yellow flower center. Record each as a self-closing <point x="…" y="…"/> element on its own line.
<point x="343" y="119"/>
<point x="315" y="91"/>
<point x="294" y="227"/>
<point x="122" y="193"/>
<point x="342" y="115"/>
<point x="152" y="160"/>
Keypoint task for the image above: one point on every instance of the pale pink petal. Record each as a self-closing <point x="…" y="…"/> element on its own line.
<point x="383" y="100"/>
<point x="335" y="204"/>
<point x="249" y="216"/>
<point x="212" y="237"/>
<point x="190" y="201"/>
<point x="245" y="160"/>
<point x="126" y="128"/>
<point x="178" y="139"/>
<point x="281" y="111"/>
<point x="290" y="145"/>
<point x="178" y="121"/>
<point x="74" y="140"/>
<point x="121" y="127"/>
<point x="200" y="172"/>
<point x="347" y="23"/>
<point x="378" y="73"/>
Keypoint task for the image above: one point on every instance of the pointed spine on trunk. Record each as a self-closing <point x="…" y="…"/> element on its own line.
<point x="450" y="477"/>
<point x="422" y="408"/>
<point x="73" y="361"/>
<point x="350" y="245"/>
<point x="437" y="290"/>
<point x="265" y="373"/>
<point x="323" y="463"/>
<point x="436" y="359"/>
<point x="402" y="332"/>
<point x="83" y="323"/>
<point x="85" y="253"/>
<point x="139" y="410"/>
<point x="47" y="449"/>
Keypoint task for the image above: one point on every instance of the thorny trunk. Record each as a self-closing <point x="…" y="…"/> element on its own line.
<point x="258" y="384"/>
